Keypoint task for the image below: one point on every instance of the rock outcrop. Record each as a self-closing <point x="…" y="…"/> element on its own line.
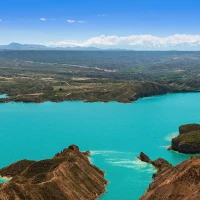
<point x="143" y="157"/>
<point x="177" y="183"/>
<point x="160" y="164"/>
<point x="69" y="175"/>
<point x="188" y="140"/>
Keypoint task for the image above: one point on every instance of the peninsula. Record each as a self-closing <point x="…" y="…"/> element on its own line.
<point x="174" y="183"/>
<point x="68" y="175"/>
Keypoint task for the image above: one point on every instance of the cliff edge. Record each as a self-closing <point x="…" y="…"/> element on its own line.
<point x="176" y="183"/>
<point x="69" y="175"/>
<point x="188" y="140"/>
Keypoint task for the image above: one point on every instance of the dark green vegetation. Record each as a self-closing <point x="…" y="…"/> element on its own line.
<point x="188" y="128"/>
<point x="69" y="175"/>
<point x="123" y="76"/>
<point x="189" y="139"/>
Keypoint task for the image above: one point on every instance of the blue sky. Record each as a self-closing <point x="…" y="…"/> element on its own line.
<point x="56" y="21"/>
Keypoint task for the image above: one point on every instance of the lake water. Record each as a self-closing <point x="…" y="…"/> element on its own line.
<point x="3" y="96"/>
<point x="115" y="133"/>
<point x="4" y="179"/>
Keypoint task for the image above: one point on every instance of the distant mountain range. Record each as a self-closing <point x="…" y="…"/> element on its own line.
<point x="18" y="46"/>
<point x="182" y="47"/>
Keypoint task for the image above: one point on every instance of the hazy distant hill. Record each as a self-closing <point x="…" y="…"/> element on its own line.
<point x="18" y="46"/>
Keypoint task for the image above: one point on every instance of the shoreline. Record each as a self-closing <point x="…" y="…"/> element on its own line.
<point x="5" y="178"/>
<point x="7" y="100"/>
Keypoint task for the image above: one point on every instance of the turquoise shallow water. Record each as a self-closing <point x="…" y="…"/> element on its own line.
<point x="3" y="180"/>
<point x="115" y="133"/>
<point x="3" y="96"/>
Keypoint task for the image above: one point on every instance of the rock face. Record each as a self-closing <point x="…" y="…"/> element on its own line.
<point x="188" y="140"/>
<point x="143" y="157"/>
<point x="177" y="183"/>
<point x="160" y="164"/>
<point x="67" y="176"/>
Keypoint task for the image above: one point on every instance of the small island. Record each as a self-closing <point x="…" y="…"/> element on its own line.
<point x="68" y="175"/>
<point x="188" y="140"/>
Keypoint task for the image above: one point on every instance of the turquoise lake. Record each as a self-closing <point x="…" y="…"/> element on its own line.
<point x="115" y="133"/>
<point x="3" y="96"/>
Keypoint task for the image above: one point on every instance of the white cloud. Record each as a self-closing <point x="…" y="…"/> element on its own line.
<point x="102" y="15"/>
<point x="43" y="19"/>
<point x="136" y="41"/>
<point x="71" y="21"/>
<point x="82" y="22"/>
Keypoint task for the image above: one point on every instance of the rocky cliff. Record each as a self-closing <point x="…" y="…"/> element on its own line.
<point x="69" y="175"/>
<point x="176" y="183"/>
<point x="188" y="140"/>
<point x="160" y="164"/>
